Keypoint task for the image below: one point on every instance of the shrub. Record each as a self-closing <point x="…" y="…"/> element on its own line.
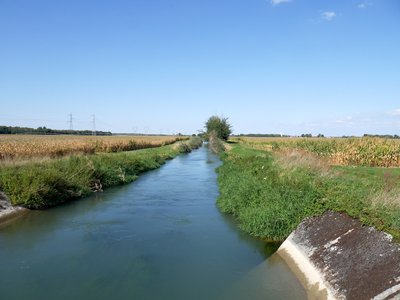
<point x="220" y="126"/>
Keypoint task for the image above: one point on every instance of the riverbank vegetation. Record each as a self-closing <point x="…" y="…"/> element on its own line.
<point x="27" y="147"/>
<point x="46" y="183"/>
<point x="270" y="186"/>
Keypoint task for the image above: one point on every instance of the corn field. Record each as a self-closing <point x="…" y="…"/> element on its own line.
<point x="372" y="152"/>
<point x="14" y="147"/>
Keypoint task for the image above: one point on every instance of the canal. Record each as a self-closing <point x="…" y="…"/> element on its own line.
<point x="161" y="237"/>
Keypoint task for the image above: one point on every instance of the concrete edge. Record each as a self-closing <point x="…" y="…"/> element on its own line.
<point x="11" y="213"/>
<point x="309" y="276"/>
<point x="389" y="293"/>
<point x="335" y="256"/>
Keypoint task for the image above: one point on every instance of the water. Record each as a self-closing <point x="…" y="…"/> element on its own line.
<point x="161" y="237"/>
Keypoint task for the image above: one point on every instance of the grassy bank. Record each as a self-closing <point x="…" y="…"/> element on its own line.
<point x="270" y="194"/>
<point x="51" y="182"/>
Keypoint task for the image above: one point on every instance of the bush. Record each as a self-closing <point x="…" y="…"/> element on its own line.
<point x="219" y="126"/>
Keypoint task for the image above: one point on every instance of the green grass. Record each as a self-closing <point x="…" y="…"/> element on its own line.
<point x="45" y="184"/>
<point x="354" y="189"/>
<point x="270" y="199"/>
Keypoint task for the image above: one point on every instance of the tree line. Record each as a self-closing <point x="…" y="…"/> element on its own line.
<point x="47" y="131"/>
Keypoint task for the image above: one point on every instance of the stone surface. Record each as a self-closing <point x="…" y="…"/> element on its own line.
<point x="352" y="261"/>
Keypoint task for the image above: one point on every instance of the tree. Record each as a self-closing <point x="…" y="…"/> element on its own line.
<point x="219" y="126"/>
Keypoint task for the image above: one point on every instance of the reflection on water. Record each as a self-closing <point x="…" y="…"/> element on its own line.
<point x="161" y="237"/>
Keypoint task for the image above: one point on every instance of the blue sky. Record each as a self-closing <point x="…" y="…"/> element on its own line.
<point x="299" y="66"/>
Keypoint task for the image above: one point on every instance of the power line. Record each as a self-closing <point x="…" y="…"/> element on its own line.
<point x="94" y="124"/>
<point x="71" y="126"/>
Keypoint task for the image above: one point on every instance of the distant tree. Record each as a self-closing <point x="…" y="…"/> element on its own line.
<point x="45" y="130"/>
<point x="307" y="135"/>
<point x="219" y="126"/>
<point x="263" y="135"/>
<point x="320" y="135"/>
<point x="384" y="136"/>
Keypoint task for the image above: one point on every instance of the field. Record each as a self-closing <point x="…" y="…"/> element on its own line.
<point x="14" y="147"/>
<point x="271" y="185"/>
<point x="371" y="152"/>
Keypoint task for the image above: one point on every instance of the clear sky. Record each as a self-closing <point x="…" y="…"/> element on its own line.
<point x="299" y="66"/>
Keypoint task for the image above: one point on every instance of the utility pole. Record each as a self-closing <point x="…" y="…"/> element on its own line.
<point x="71" y="126"/>
<point x="94" y="124"/>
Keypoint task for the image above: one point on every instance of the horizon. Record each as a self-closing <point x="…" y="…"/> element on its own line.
<point x="288" y="67"/>
<point x="251" y="134"/>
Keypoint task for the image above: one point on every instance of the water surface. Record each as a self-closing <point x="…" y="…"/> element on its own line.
<point x="161" y="237"/>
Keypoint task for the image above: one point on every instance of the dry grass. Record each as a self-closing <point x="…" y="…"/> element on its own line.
<point x="389" y="199"/>
<point x="25" y="147"/>
<point x="373" y="152"/>
<point x="227" y="147"/>
<point x="293" y="158"/>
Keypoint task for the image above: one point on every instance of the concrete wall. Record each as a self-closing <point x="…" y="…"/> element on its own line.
<point x="335" y="257"/>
